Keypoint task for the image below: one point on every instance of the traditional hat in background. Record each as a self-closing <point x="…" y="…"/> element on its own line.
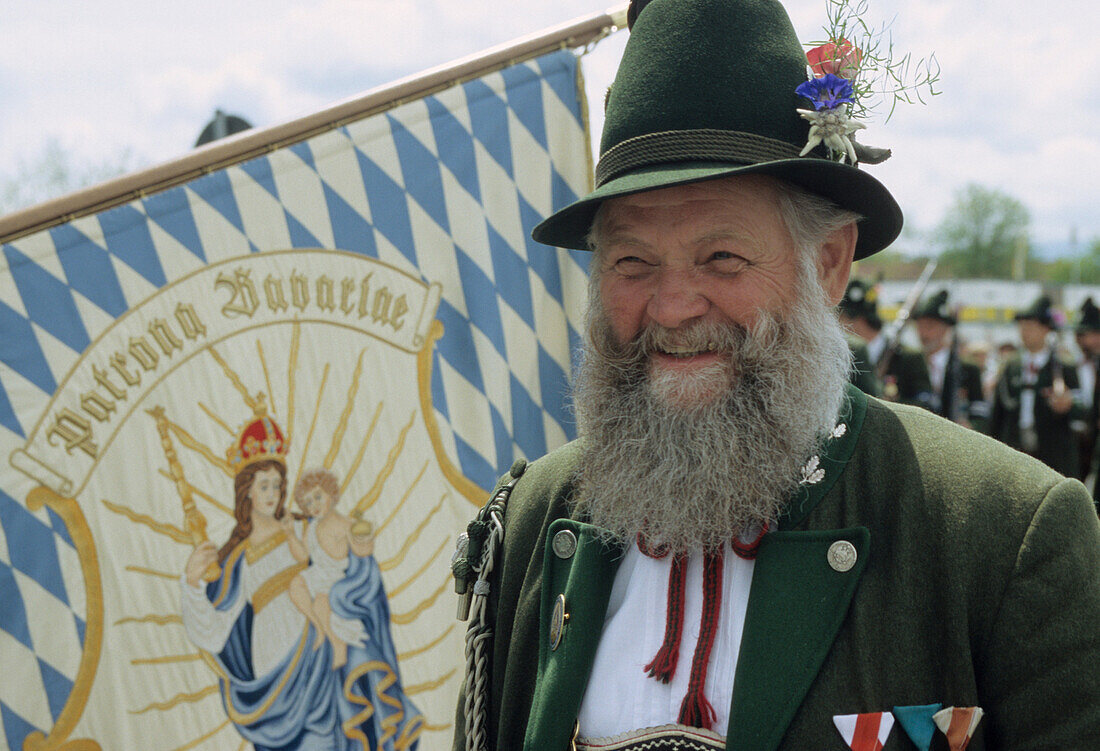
<point x="1040" y="311"/>
<point x="1090" y="316"/>
<point x="861" y="301"/>
<point x="937" y="307"/>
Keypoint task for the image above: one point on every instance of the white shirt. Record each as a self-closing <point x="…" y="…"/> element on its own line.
<point x="1032" y="364"/>
<point x="937" y="368"/>
<point x="876" y="347"/>
<point x="620" y="696"/>
<point x="1086" y="380"/>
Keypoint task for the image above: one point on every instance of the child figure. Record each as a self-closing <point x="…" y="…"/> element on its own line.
<point x="328" y="538"/>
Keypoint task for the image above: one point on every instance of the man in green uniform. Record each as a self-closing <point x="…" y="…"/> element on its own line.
<point x="1035" y="400"/>
<point x="903" y="371"/>
<point x="743" y="551"/>
<point x="956" y="382"/>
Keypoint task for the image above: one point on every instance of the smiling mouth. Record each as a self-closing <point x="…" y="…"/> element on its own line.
<point x="684" y="352"/>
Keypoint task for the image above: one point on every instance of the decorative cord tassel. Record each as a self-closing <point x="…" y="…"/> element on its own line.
<point x="663" y="665"/>
<point x="696" y="711"/>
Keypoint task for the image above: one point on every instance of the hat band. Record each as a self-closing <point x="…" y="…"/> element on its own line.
<point x="696" y="145"/>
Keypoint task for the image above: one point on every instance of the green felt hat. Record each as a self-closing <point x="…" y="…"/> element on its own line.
<point x="936" y="307"/>
<point x="1040" y="311"/>
<point x="861" y="301"/>
<point x="1090" y="316"/>
<point x="706" y="89"/>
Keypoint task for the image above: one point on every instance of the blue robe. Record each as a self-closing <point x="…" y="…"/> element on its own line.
<point x="303" y="703"/>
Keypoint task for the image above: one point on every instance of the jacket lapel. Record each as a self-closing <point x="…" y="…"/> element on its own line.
<point x="799" y="597"/>
<point x="802" y="585"/>
<point x="578" y="572"/>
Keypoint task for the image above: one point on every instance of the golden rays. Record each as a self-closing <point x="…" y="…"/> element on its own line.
<point x="267" y="378"/>
<point x="159" y="620"/>
<point x="181" y="698"/>
<point x="420" y="688"/>
<point x="292" y="370"/>
<point x="362" y="449"/>
<point x="235" y="380"/>
<point x="403" y="656"/>
<point x="205" y="496"/>
<point x="213" y="416"/>
<point x="342" y="423"/>
<point x="161" y="528"/>
<point x="189" y="441"/>
<point x="424" y="567"/>
<point x="371" y="496"/>
<point x="400" y="555"/>
<point x="403" y="619"/>
<point x="153" y="572"/>
<point x="404" y="498"/>
<point x="167" y="659"/>
<point x="316" y="413"/>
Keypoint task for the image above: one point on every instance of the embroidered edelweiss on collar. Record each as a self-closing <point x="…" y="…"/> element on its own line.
<point x="812" y="472"/>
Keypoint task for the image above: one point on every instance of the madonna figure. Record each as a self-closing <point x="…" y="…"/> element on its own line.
<point x="278" y="682"/>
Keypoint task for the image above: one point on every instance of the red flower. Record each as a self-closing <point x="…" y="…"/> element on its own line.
<point x="839" y="58"/>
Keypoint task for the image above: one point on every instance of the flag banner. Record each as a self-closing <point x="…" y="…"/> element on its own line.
<point x="246" y="416"/>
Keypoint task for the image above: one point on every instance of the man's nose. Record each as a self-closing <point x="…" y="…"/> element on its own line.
<point x="677" y="298"/>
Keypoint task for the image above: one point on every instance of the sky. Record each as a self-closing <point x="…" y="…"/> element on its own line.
<point x="122" y="82"/>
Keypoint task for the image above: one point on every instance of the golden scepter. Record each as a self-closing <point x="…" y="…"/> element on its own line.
<point x="194" y="523"/>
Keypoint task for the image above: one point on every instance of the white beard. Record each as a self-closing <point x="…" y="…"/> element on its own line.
<point x="695" y="461"/>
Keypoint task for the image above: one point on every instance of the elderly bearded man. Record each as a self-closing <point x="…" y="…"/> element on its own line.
<point x="742" y="551"/>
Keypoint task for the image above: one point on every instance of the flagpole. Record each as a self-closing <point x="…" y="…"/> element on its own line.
<point x="256" y="142"/>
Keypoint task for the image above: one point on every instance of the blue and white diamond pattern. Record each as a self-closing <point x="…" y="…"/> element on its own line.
<point x="446" y="188"/>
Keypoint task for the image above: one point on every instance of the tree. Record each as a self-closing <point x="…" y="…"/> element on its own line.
<point x="984" y="235"/>
<point x="52" y="173"/>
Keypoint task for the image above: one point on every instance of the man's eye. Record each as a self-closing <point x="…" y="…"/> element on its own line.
<point x="726" y="261"/>
<point x="631" y="265"/>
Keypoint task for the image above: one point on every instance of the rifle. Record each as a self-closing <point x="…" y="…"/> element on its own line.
<point x="893" y="331"/>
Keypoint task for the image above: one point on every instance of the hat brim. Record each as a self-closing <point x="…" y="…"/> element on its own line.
<point x="844" y="185"/>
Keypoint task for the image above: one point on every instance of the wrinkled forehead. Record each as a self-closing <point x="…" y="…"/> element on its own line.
<point x="748" y="198"/>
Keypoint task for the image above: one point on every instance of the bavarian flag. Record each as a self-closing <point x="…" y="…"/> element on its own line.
<point x="249" y="398"/>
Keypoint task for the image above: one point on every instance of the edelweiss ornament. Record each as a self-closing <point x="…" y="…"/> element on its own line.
<point x="829" y="122"/>
<point x="833" y="128"/>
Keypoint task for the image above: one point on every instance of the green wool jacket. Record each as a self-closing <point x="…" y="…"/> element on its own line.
<point x="977" y="583"/>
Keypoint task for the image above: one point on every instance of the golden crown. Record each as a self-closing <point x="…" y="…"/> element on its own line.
<point x="259" y="439"/>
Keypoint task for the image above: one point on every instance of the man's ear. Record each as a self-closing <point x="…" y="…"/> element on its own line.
<point x="834" y="261"/>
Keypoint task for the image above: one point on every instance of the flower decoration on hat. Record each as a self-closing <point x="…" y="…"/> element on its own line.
<point x="260" y="438"/>
<point x="829" y="121"/>
<point x="847" y="77"/>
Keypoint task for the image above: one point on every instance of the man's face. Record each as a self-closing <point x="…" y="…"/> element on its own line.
<point x="932" y="332"/>
<point x="1090" y="342"/>
<point x="709" y="253"/>
<point x="1033" y="334"/>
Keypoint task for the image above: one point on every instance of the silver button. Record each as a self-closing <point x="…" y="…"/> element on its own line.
<point x="842" y="556"/>
<point x="564" y="544"/>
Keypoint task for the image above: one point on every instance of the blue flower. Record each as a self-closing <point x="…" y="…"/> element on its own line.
<point x="827" y="92"/>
